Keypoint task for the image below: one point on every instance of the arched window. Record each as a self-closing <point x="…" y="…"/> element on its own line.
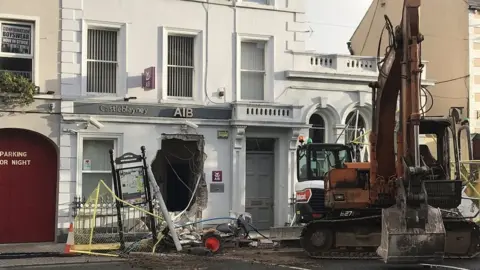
<point x="317" y="131"/>
<point x="354" y="119"/>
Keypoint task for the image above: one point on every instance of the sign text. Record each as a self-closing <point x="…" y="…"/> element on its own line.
<point x="123" y="109"/>
<point x="183" y="112"/>
<point x="14" y="162"/>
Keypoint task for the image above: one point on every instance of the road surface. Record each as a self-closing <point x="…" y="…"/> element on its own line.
<point x="241" y="259"/>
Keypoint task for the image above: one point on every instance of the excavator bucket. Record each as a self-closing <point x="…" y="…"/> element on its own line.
<point x="402" y="245"/>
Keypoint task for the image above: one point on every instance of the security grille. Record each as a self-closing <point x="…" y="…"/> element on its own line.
<point x="181" y="66"/>
<point x="252" y="70"/>
<point x="102" y="61"/>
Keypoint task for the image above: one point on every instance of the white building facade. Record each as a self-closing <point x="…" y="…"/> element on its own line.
<point x="474" y="65"/>
<point x="234" y="72"/>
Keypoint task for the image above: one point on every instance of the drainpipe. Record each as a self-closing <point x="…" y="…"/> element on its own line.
<point x="350" y="49"/>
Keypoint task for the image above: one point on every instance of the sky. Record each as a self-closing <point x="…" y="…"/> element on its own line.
<point x="333" y="23"/>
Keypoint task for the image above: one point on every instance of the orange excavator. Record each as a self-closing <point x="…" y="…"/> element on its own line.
<point x="402" y="205"/>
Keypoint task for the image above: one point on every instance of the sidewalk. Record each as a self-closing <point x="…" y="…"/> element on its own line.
<point x="45" y="261"/>
<point x="32" y="248"/>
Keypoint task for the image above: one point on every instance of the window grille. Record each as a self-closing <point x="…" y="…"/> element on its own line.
<point x="181" y="66"/>
<point x="102" y="61"/>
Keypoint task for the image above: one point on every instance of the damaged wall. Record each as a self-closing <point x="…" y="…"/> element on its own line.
<point x="132" y="137"/>
<point x="187" y="150"/>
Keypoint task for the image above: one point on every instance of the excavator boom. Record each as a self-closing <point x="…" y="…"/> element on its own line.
<point x="412" y="230"/>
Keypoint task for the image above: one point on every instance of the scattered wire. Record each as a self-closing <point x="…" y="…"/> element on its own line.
<point x="178" y="177"/>
<point x="428" y="93"/>
<point x="453" y="79"/>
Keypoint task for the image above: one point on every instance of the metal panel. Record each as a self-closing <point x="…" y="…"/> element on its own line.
<point x="217" y="188"/>
<point x="260" y="189"/>
<point x="210" y="112"/>
<point x="28" y="181"/>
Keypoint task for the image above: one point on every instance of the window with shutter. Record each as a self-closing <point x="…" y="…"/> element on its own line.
<point x="252" y="69"/>
<point x="102" y="61"/>
<point x="181" y="66"/>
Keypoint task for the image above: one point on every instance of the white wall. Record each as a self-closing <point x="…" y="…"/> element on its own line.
<point x="143" y="23"/>
<point x="131" y="137"/>
<point x="474" y="69"/>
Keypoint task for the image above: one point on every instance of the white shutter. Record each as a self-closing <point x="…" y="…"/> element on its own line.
<point x="180" y="66"/>
<point x="252" y="71"/>
<point x="102" y="61"/>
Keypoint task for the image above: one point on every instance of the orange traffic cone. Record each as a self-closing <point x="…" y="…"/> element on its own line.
<point x="70" y="240"/>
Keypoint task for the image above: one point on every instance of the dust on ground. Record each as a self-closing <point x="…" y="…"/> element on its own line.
<point x="290" y="257"/>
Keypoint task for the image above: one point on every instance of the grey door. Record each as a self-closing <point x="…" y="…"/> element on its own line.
<point x="259" y="188"/>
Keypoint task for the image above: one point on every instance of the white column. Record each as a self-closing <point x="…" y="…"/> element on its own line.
<point x="238" y="170"/>
<point x="292" y="171"/>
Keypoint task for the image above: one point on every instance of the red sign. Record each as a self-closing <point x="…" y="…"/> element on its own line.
<point x="217" y="176"/>
<point x="149" y="78"/>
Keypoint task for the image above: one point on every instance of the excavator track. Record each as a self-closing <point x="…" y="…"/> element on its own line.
<point x="369" y="254"/>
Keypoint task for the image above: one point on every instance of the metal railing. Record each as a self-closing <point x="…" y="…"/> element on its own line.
<point x="100" y="221"/>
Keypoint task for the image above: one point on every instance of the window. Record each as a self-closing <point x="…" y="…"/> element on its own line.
<point x="252" y="69"/>
<point x="17" y="53"/>
<point x="302" y="174"/>
<point x="355" y="128"/>
<point x="317" y="131"/>
<point x="102" y="61"/>
<point x="96" y="166"/>
<point x="181" y="66"/>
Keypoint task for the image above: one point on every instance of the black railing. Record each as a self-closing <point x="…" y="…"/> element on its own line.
<point x="102" y="219"/>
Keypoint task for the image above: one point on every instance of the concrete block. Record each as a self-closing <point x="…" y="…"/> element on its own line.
<point x="68" y="14"/>
<point x="78" y="14"/>
<point x="71" y="90"/>
<point x="65" y="198"/>
<point x="65" y="140"/>
<point x="72" y="4"/>
<point x="71" y="81"/>
<point x="65" y="151"/>
<point x="67" y="187"/>
<point x="296" y="27"/>
<point x="74" y="25"/>
<point x="70" y="68"/>
<point x="69" y="46"/>
<point x="300" y="17"/>
<point x="295" y="46"/>
<point x="69" y="35"/>
<point x="301" y="36"/>
<point x="68" y="57"/>
<point x="66" y="163"/>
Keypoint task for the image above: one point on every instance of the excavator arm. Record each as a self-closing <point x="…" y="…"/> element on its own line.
<point x="412" y="231"/>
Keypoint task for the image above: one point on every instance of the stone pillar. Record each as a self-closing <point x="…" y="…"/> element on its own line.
<point x="292" y="172"/>
<point x="339" y="133"/>
<point x="238" y="169"/>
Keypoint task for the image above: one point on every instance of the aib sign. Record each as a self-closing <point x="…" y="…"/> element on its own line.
<point x="149" y="78"/>
<point x="217" y="176"/>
